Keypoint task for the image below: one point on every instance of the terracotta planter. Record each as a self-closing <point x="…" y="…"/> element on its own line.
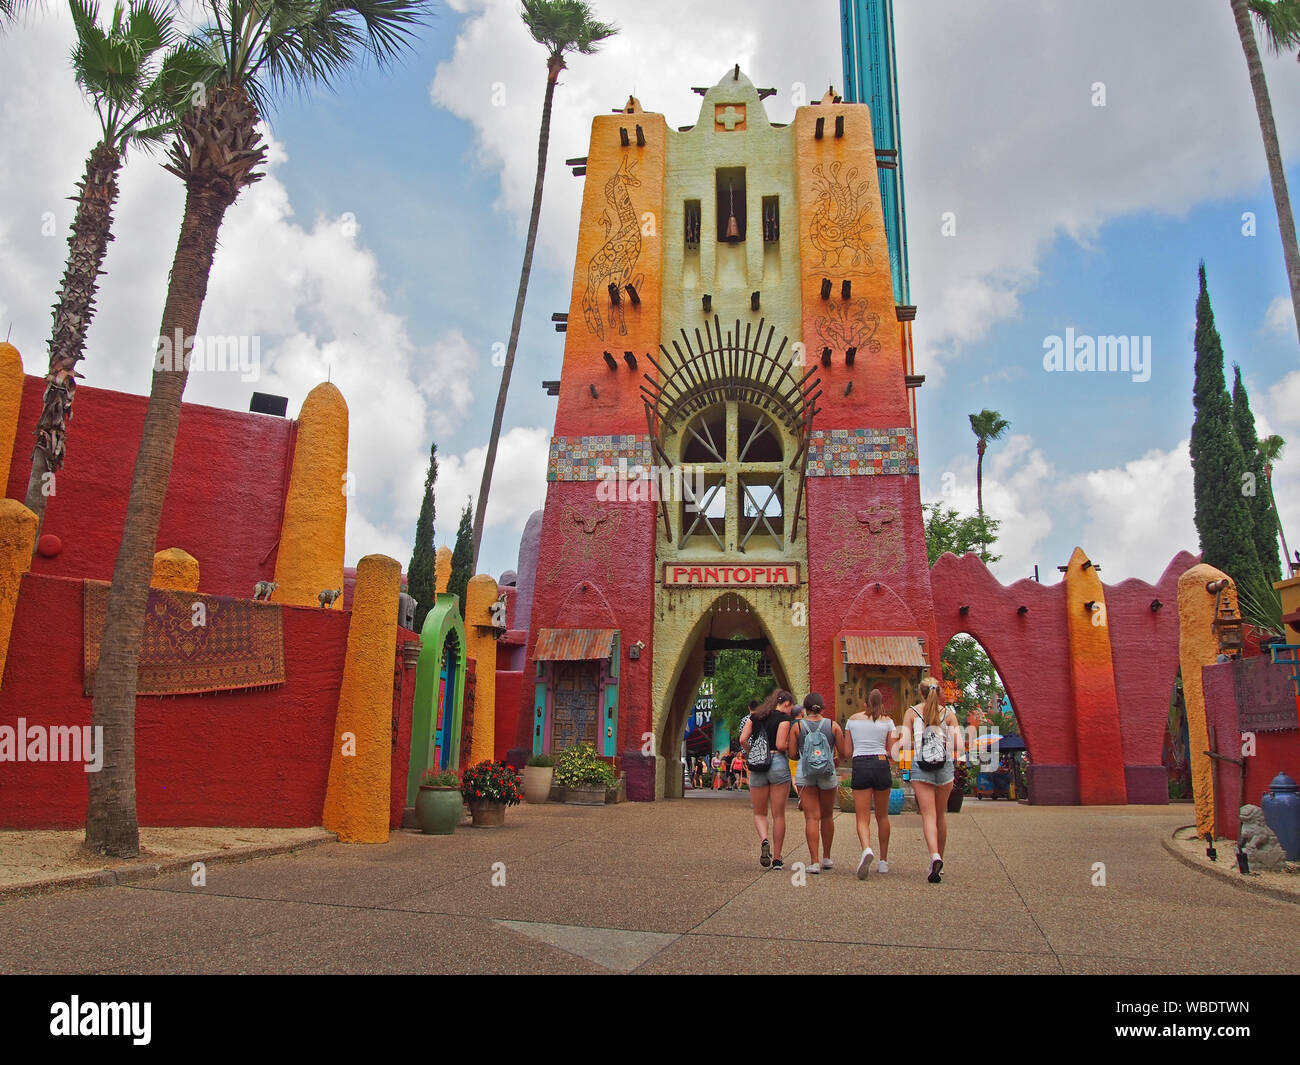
<point x="438" y="810"/>
<point x="585" y="796"/>
<point x="537" y="782"/>
<point x="488" y="814"/>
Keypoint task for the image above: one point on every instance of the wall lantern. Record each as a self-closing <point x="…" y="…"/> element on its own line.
<point x="964" y="610"/>
<point x="634" y="651"/>
<point x="1156" y="605"/>
<point x="1091" y="606"/>
<point x="1022" y="610"/>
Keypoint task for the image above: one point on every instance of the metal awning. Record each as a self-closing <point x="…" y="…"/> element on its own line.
<point x="866" y="650"/>
<point x="573" y="645"/>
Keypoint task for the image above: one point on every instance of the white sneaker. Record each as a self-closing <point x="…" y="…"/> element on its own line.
<point x="827" y="864"/>
<point x="882" y="866"/>
<point x="864" y="863"/>
<point x="814" y="868"/>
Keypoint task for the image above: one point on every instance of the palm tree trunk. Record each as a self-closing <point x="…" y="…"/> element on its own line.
<point x="111" y="824"/>
<point x="1272" y="152"/>
<point x="979" y="492"/>
<point x="1286" y="551"/>
<point x="87" y="248"/>
<point x="543" y="142"/>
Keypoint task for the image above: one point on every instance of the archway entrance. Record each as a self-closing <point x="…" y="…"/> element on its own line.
<point x="983" y="704"/>
<point x="731" y="620"/>
<point x="439" y="693"/>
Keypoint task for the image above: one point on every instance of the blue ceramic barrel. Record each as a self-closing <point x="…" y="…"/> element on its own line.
<point x="1281" y="806"/>
<point x="895" y="801"/>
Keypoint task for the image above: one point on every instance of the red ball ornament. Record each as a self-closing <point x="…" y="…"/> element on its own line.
<point x="49" y="545"/>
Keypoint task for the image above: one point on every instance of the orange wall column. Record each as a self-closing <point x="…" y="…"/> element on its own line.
<point x="310" y="559"/>
<point x="482" y="644"/>
<point x="11" y="398"/>
<point x="357" y="797"/>
<point x="1099" y="742"/>
<point x="1198" y="646"/>
<point x="17" y="542"/>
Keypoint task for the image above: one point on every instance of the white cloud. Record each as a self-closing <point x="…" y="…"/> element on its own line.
<point x="1279" y="319"/>
<point x="518" y="482"/>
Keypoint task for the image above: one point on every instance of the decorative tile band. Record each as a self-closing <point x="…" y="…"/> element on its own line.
<point x="579" y="458"/>
<point x="862" y="452"/>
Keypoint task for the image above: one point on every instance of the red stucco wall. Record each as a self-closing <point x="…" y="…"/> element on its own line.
<point x="507" y="720"/>
<point x="252" y="757"/>
<point x="224" y="500"/>
<point x="1275" y="752"/>
<point x="1144" y="649"/>
<point x="616" y="563"/>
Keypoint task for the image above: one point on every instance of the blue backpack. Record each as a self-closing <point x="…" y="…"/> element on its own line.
<point x="815" y="750"/>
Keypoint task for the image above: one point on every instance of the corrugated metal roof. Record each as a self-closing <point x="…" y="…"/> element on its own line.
<point x="573" y="645"/>
<point x="883" y="650"/>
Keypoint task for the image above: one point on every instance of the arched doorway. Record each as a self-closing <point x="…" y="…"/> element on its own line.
<point x="982" y="700"/>
<point x="439" y="693"/>
<point x="730" y="617"/>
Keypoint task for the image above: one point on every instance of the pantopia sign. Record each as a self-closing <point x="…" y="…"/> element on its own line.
<point x="678" y="575"/>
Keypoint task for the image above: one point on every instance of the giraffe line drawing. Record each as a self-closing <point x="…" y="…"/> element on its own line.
<point x="617" y="257"/>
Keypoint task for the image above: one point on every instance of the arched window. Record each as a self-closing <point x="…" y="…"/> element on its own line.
<point x="734" y="480"/>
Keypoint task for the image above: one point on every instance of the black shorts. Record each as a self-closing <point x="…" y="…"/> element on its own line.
<point x="869" y="771"/>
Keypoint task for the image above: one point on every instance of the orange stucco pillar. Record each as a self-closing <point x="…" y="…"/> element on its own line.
<point x="11" y="398"/>
<point x="310" y="559"/>
<point x="177" y="569"/>
<point x="1099" y="742"/>
<point x="442" y="569"/>
<point x="1198" y="646"/>
<point x="17" y="542"/>
<point x="357" y="795"/>
<point x="482" y="644"/>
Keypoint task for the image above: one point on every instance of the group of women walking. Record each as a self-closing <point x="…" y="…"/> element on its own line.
<point x="778" y="733"/>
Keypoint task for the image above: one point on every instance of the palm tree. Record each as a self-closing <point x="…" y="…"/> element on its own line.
<point x="138" y="82"/>
<point x="561" y="26"/>
<point x="254" y="48"/>
<point x="986" y="425"/>
<point x="1270" y="450"/>
<point x="12" y="10"/>
<point x="1280" y="20"/>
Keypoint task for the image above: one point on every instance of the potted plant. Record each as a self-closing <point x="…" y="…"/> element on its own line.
<point x="960" y="785"/>
<point x="584" y="776"/>
<point x="537" y="777"/>
<point x="438" y="805"/>
<point x="896" y="794"/>
<point x="844" y="794"/>
<point x="489" y="788"/>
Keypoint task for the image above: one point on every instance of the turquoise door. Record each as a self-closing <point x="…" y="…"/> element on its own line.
<point x="447" y="686"/>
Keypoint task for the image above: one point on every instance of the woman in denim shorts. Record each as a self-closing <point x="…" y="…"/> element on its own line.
<point x="769" y="787"/>
<point x="933" y="786"/>
<point x="817" y="793"/>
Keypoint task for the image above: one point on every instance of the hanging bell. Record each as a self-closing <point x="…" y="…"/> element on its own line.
<point x="733" y="228"/>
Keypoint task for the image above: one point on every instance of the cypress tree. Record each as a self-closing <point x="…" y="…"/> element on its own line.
<point x="421" y="583"/>
<point x="1256" y="488"/>
<point x="462" y="557"/>
<point x="1218" y="464"/>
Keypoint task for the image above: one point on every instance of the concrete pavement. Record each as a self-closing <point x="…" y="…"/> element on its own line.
<point x="676" y="887"/>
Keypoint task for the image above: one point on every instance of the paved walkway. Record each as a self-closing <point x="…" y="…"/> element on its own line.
<point x="676" y="887"/>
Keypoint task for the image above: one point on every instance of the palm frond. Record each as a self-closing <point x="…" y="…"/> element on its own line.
<point x="1262" y="608"/>
<point x="1280" y="21"/>
<point x="565" y="26"/>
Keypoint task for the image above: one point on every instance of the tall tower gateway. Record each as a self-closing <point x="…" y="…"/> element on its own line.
<point x="734" y="453"/>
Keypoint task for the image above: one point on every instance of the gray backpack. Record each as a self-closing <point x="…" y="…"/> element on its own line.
<point x="815" y="750"/>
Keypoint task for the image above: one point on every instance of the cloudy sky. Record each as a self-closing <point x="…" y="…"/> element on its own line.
<point x="382" y="249"/>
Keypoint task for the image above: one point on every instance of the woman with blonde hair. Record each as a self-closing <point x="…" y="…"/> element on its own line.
<point x="935" y="740"/>
<point x="867" y="740"/>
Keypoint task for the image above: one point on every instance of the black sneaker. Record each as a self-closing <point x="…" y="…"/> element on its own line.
<point x="936" y="871"/>
<point x="777" y="865"/>
<point x="765" y="854"/>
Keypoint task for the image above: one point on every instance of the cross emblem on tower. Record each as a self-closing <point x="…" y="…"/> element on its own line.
<point x="730" y="117"/>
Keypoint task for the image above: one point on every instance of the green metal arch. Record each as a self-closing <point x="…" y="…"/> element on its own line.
<point x="442" y="621"/>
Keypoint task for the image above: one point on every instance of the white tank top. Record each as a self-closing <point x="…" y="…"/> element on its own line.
<point x="870" y="737"/>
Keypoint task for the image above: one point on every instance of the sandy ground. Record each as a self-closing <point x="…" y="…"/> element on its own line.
<point x="1281" y="881"/>
<point x="28" y="858"/>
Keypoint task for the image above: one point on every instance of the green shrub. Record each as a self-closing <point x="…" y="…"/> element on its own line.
<point x="434" y="778"/>
<point x="541" y="761"/>
<point x="582" y="767"/>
